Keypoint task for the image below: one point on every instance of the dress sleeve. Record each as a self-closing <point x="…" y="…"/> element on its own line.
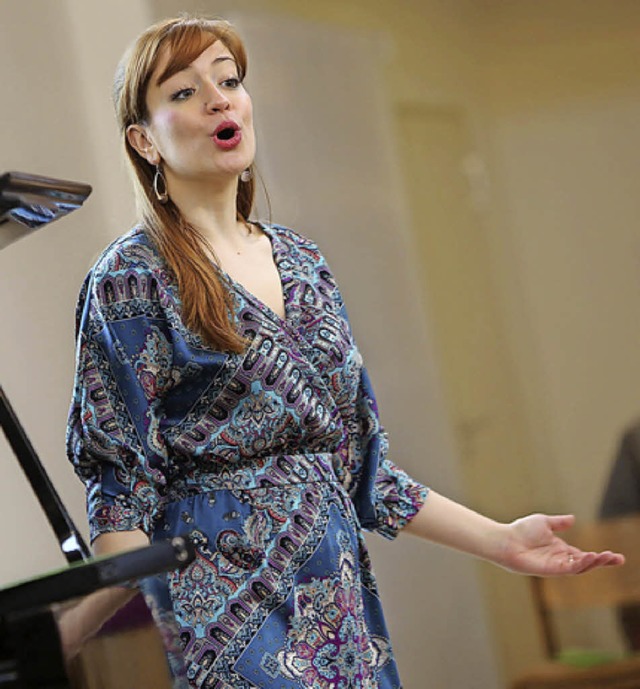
<point x="385" y="497"/>
<point x="123" y="363"/>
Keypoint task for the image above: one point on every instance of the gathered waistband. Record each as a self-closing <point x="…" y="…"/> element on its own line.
<point x="259" y="472"/>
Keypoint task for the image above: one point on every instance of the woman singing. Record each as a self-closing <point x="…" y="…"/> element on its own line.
<point x="219" y="391"/>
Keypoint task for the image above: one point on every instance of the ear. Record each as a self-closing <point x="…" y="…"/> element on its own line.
<point x="139" y="138"/>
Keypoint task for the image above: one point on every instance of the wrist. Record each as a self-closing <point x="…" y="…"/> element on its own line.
<point x="497" y="546"/>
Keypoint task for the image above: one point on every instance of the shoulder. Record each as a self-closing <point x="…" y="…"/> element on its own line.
<point x="131" y="252"/>
<point x="307" y="260"/>
<point x="303" y="247"/>
<point x="130" y="268"/>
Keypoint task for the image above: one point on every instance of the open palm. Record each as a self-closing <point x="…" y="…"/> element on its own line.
<point x="534" y="548"/>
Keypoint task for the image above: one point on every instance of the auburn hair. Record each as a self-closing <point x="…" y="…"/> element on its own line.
<point x="206" y="300"/>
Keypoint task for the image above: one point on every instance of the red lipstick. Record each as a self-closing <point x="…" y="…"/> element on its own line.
<point x="227" y="135"/>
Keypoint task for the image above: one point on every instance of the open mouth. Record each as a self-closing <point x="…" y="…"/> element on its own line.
<point x="226" y="133"/>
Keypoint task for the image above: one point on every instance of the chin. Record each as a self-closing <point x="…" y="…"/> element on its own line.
<point x="235" y="170"/>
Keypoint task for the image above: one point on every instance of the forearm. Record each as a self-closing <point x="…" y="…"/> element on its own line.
<point x="79" y="623"/>
<point x="448" y="523"/>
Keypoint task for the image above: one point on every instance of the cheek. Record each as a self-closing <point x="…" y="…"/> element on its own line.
<point x="166" y="120"/>
<point x="247" y="106"/>
<point x="248" y="120"/>
<point x="169" y="125"/>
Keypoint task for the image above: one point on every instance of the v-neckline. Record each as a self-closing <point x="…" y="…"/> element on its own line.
<point x="259" y="303"/>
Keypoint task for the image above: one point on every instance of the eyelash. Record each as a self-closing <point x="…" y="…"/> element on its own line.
<point x="231" y="82"/>
<point x="236" y="82"/>
<point x="178" y="95"/>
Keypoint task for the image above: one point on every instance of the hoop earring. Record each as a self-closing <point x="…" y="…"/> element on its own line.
<point x="160" y="186"/>
<point x="246" y="175"/>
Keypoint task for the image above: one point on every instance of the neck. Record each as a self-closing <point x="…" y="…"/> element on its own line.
<point x="209" y="207"/>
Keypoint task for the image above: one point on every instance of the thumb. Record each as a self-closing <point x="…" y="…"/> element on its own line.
<point x="560" y="522"/>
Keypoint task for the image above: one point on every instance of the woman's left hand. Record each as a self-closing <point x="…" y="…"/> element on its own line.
<point x="532" y="547"/>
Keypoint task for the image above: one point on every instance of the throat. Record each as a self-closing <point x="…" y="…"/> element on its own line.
<point x="254" y="269"/>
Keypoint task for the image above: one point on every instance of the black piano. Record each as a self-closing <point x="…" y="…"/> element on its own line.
<point x="31" y="655"/>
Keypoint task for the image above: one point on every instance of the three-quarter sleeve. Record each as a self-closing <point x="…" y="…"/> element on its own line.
<point x="123" y="363"/>
<point x="385" y="497"/>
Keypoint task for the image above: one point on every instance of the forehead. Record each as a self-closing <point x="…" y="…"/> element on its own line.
<point x="173" y="62"/>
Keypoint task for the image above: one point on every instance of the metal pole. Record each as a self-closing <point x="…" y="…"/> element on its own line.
<point x="70" y="539"/>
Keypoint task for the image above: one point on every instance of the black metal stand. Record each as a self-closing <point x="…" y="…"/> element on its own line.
<point x="30" y="649"/>
<point x="30" y="652"/>
<point x="71" y="542"/>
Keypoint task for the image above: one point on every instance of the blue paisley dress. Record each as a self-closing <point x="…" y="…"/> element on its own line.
<point x="273" y="459"/>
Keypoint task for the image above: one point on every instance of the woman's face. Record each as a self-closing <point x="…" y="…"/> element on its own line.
<point x="200" y="120"/>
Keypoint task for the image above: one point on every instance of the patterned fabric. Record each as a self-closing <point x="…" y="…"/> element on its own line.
<point x="274" y="459"/>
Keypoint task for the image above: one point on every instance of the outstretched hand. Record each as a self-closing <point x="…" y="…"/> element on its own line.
<point x="534" y="548"/>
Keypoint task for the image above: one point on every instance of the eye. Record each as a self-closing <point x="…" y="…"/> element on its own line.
<point x="231" y="83"/>
<point x="182" y="94"/>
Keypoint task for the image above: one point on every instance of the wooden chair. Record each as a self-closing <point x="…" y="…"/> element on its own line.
<point x="603" y="588"/>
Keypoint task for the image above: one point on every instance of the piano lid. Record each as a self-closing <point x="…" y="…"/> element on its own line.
<point x="27" y="202"/>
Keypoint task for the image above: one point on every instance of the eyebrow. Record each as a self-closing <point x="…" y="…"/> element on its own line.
<point x="223" y="58"/>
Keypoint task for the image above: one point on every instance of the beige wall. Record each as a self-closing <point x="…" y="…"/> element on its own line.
<point x="558" y="113"/>
<point x="560" y="93"/>
<point x="56" y="120"/>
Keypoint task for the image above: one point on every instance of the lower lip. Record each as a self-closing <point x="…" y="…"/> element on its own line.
<point x="228" y="144"/>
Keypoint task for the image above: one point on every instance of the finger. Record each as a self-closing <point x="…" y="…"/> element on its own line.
<point x="609" y="559"/>
<point x="618" y="559"/>
<point x="586" y="562"/>
<point x="560" y="522"/>
<point x="603" y="559"/>
<point x="583" y="562"/>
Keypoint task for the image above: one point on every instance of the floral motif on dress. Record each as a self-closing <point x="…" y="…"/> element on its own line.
<point x="328" y="644"/>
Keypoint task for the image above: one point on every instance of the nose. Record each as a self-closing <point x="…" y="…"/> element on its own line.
<point x="215" y="100"/>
